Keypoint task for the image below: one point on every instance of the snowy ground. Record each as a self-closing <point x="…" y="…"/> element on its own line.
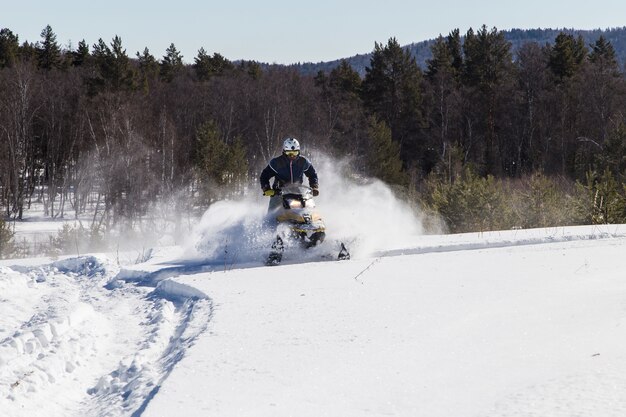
<point x="512" y="323"/>
<point x="518" y="323"/>
<point x="513" y="330"/>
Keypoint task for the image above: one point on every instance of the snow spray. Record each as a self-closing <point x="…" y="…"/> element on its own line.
<point x="364" y="214"/>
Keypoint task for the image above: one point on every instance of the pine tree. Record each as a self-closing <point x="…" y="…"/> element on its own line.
<point x="202" y="65"/>
<point x="49" y="52"/>
<point x="81" y="55"/>
<point x="341" y="86"/>
<point x="566" y="55"/>
<point x="9" y="47"/>
<point x="441" y="59"/>
<point x="237" y="158"/>
<point x="340" y="91"/>
<point x="383" y="154"/>
<point x="148" y="69"/>
<point x="252" y="68"/>
<point x="469" y="203"/>
<point x="171" y="64"/>
<point x="600" y="85"/>
<point x="28" y="52"/>
<point x="443" y="78"/>
<point x="218" y="164"/>
<point x="206" y="66"/>
<point x="580" y="50"/>
<point x="123" y="76"/>
<point x="220" y="65"/>
<point x="344" y="79"/>
<point x="455" y="49"/>
<point x="613" y="155"/>
<point x="487" y="76"/>
<point x="101" y="54"/>
<point x="115" y="71"/>
<point x="446" y="56"/>
<point x="602" y="199"/>
<point x="391" y="91"/>
<point x="533" y="83"/>
<point x="603" y="55"/>
<point x="488" y="58"/>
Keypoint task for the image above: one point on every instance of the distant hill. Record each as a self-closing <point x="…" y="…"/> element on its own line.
<point x="517" y="37"/>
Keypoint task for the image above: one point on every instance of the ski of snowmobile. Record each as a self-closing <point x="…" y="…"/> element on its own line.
<point x="344" y="255"/>
<point x="276" y="255"/>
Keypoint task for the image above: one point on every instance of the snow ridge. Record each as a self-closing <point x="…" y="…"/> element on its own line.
<point x="494" y="240"/>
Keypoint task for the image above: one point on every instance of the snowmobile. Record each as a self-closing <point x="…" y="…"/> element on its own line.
<point x="298" y="221"/>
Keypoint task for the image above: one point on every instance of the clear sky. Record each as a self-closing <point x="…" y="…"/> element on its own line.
<point x="281" y="31"/>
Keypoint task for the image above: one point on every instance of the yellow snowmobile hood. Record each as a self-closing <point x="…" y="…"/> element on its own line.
<point x="297" y="216"/>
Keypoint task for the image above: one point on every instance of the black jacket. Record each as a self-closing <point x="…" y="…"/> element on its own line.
<point x="288" y="171"/>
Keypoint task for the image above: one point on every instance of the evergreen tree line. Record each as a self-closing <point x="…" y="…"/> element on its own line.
<point x="94" y="128"/>
<point x="422" y="51"/>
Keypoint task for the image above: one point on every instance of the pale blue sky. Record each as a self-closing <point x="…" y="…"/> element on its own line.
<point x="280" y="31"/>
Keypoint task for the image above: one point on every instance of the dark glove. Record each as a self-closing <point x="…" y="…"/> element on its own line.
<point x="269" y="192"/>
<point x="316" y="192"/>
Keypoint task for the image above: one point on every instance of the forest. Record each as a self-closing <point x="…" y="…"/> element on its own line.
<point x="480" y="138"/>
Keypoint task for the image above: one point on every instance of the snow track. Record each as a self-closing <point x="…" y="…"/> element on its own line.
<point x="71" y="345"/>
<point x="494" y="240"/>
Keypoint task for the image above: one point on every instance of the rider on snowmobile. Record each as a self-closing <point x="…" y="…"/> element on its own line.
<point x="288" y="168"/>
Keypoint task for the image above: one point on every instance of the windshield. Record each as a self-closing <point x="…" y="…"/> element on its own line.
<point x="297" y="196"/>
<point x="300" y="189"/>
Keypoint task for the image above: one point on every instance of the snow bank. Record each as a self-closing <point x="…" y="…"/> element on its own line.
<point x="90" y="266"/>
<point x="12" y="283"/>
<point x="151" y="275"/>
<point x="175" y="290"/>
<point x="503" y="239"/>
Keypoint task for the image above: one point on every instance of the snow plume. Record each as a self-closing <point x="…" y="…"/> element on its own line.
<point x="364" y="214"/>
<point x="361" y="212"/>
<point x="231" y="232"/>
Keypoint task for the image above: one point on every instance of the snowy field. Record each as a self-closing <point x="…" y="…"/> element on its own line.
<point x="511" y="323"/>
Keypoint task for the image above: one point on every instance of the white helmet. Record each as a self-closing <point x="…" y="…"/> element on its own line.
<point x="291" y="144"/>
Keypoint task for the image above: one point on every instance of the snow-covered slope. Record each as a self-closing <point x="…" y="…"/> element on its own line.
<point x="518" y="323"/>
